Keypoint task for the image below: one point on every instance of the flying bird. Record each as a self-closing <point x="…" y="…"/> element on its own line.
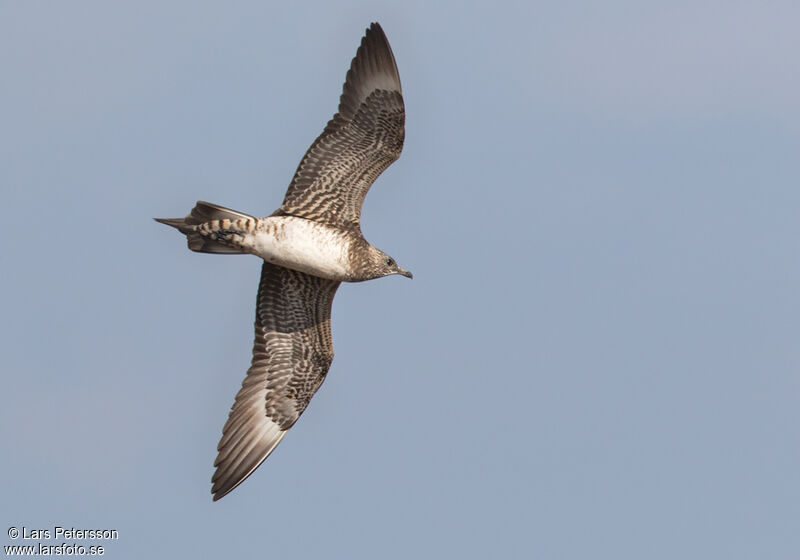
<point x="309" y="245"/>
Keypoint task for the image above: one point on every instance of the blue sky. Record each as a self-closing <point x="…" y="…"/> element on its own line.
<point x="597" y="357"/>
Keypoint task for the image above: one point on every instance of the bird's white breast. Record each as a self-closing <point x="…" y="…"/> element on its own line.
<point x="303" y="245"/>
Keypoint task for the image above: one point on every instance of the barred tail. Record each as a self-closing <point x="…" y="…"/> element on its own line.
<point x="208" y="228"/>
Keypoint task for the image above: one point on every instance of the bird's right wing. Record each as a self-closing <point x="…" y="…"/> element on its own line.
<point x="292" y="353"/>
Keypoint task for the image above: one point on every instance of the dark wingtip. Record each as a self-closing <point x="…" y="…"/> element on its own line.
<point x="221" y="490"/>
<point x="375" y="34"/>
<point x="218" y="492"/>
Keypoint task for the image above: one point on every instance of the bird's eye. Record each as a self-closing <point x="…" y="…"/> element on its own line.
<point x="390" y="262"/>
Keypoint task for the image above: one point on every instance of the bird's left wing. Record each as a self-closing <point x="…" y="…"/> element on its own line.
<point x="292" y="353"/>
<point x="361" y="140"/>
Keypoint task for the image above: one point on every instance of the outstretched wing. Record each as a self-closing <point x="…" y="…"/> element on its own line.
<point x="357" y="145"/>
<point x="292" y="353"/>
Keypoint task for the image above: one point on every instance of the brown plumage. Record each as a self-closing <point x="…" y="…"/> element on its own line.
<point x="292" y="353"/>
<point x="293" y="349"/>
<point x="358" y="144"/>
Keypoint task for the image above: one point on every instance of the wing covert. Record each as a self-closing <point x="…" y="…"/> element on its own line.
<point x="292" y="353"/>
<point x="362" y="139"/>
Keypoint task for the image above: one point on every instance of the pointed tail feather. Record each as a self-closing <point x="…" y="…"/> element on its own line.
<point x="202" y="213"/>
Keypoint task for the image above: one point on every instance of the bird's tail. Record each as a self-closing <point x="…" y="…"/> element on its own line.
<point x="213" y="229"/>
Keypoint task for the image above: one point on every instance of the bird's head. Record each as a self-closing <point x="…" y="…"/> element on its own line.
<point x="379" y="264"/>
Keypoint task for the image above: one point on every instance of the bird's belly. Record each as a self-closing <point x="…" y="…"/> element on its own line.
<point x="302" y="245"/>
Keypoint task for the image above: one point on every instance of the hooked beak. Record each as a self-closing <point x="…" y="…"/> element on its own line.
<point x="405" y="273"/>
